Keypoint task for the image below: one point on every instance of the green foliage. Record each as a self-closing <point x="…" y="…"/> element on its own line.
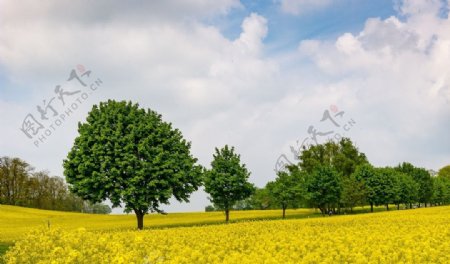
<point x="130" y="156"/>
<point x="354" y="192"/>
<point x="14" y="178"/>
<point x="444" y="172"/>
<point x="383" y="186"/>
<point x="227" y="180"/>
<point x="406" y="189"/>
<point x="287" y="189"/>
<point x="361" y="183"/>
<point x="97" y="208"/>
<point x="423" y="179"/>
<point x="324" y="188"/>
<point x="367" y="175"/>
<point x="245" y="204"/>
<point x="3" y="249"/>
<point x="261" y="199"/>
<point x="343" y="156"/>
<point x="210" y="208"/>
<point x="19" y="185"/>
<point x="441" y="190"/>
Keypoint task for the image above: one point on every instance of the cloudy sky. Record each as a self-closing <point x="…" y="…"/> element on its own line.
<point x="253" y="74"/>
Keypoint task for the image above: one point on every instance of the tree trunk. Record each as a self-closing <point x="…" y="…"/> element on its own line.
<point x="322" y="210"/>
<point x="284" y="212"/>
<point x="140" y="219"/>
<point x="398" y="206"/>
<point x="425" y="205"/>
<point x="410" y="205"/>
<point x="227" y="215"/>
<point x="371" y="207"/>
<point x="387" y="207"/>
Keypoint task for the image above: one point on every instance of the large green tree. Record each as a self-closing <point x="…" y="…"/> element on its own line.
<point x="227" y="180"/>
<point x="130" y="156"/>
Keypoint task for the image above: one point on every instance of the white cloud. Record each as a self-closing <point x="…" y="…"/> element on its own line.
<point x="182" y="68"/>
<point x="397" y="70"/>
<point x="297" y="7"/>
<point x="420" y="8"/>
<point x="392" y="78"/>
<point x="254" y="30"/>
<point x="103" y="11"/>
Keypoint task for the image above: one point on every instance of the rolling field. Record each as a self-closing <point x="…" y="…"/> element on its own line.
<point x="16" y="221"/>
<point x="408" y="236"/>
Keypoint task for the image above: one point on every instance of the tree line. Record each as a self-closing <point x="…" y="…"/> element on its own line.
<point x="335" y="177"/>
<point x="20" y="185"/>
<point x="132" y="157"/>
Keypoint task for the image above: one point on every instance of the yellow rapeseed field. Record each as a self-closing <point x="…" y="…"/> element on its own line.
<point x="411" y="236"/>
<point x="16" y="221"/>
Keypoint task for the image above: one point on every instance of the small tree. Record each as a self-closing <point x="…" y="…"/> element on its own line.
<point x="406" y="189"/>
<point x="444" y="172"/>
<point x="227" y="180"/>
<point x="366" y="173"/>
<point x="287" y="189"/>
<point x="132" y="157"/>
<point x="210" y="208"/>
<point x="261" y="199"/>
<point x="441" y="190"/>
<point x="422" y="177"/>
<point x="324" y="188"/>
<point x="354" y="192"/>
<point x="384" y="186"/>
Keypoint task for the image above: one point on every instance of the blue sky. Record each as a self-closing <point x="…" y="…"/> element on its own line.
<point x="251" y="74"/>
<point x="287" y="30"/>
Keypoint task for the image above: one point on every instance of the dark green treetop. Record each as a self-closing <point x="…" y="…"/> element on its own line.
<point x="343" y="156"/>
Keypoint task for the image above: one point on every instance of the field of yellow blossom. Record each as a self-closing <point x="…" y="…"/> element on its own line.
<point x="17" y="221"/>
<point x="407" y="236"/>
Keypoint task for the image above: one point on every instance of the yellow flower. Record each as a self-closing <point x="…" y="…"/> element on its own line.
<point x="408" y="236"/>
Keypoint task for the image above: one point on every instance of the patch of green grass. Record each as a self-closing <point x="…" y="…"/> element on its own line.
<point x="3" y="248"/>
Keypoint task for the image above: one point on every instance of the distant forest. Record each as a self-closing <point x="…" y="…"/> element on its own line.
<point x="20" y="185"/>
